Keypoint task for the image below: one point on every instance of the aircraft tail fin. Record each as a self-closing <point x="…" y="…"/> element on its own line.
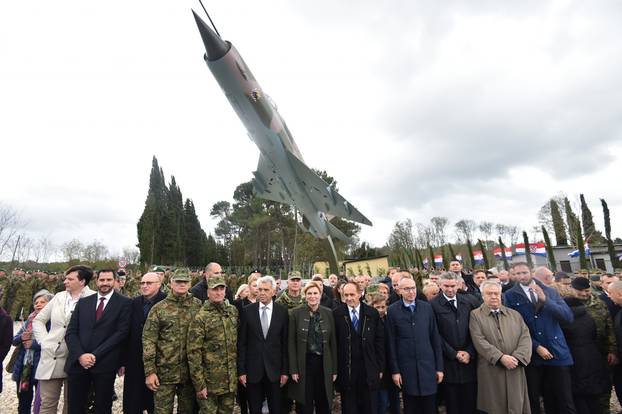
<point x="336" y="233"/>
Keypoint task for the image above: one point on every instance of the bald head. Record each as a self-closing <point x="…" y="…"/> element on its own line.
<point x="212" y="269"/>
<point x="544" y="275"/>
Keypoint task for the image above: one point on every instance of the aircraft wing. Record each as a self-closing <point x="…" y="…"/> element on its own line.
<point x="267" y="184"/>
<point x="324" y="197"/>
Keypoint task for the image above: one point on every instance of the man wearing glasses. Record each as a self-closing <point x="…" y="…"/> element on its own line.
<point x="137" y="397"/>
<point x="199" y="290"/>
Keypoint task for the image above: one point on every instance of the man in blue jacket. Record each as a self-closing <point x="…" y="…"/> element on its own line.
<point x="543" y="309"/>
<point x="415" y="354"/>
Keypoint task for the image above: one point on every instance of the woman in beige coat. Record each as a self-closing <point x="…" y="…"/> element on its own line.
<point x="503" y="347"/>
<point x="50" y="372"/>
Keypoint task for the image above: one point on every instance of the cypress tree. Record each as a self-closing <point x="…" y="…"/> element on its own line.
<point x="173" y="228"/>
<point x="589" y="229"/>
<point x="610" y="248"/>
<point x="572" y="221"/>
<point x="484" y="254"/>
<point x="558" y="224"/>
<point x="193" y="237"/>
<point x="149" y="224"/>
<point x="470" y="253"/>
<point x="527" y="251"/>
<point x="446" y="257"/>
<point x="452" y="253"/>
<point x="549" y="250"/>
<point x="431" y="263"/>
<point x="581" y="247"/>
<point x="419" y="258"/>
<point x="506" y="265"/>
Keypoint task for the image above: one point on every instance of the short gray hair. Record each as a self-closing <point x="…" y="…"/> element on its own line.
<point x="489" y="283"/>
<point x="617" y="285"/>
<point x="43" y="293"/>
<point x="448" y="276"/>
<point x="267" y="279"/>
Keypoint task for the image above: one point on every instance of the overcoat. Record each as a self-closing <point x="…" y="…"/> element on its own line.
<point x="414" y="347"/>
<point x="453" y="327"/>
<point x="53" y="347"/>
<point x="132" y="359"/>
<point x="499" y="390"/>
<point x="297" y="347"/>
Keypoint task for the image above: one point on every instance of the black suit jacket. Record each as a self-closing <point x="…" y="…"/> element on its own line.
<point x="453" y="327"/>
<point x="257" y="355"/>
<point x="613" y="308"/>
<point x="371" y="343"/>
<point x="102" y="338"/>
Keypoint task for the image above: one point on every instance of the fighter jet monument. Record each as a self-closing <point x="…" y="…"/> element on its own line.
<point x="281" y="174"/>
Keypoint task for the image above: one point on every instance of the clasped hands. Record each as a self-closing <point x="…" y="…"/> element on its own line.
<point x="87" y="360"/>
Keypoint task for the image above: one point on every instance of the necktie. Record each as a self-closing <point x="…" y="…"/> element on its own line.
<point x="355" y="320"/>
<point x="100" y="309"/>
<point x="532" y="296"/>
<point x="412" y="307"/>
<point x="453" y="303"/>
<point x="265" y="324"/>
<point x="496" y="313"/>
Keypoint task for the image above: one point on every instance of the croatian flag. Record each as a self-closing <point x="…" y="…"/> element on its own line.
<point x="478" y="257"/>
<point x="520" y="249"/>
<point x="497" y="252"/>
<point x="508" y="253"/>
<point x="538" y="249"/>
<point x="438" y="259"/>
<point x="575" y="253"/>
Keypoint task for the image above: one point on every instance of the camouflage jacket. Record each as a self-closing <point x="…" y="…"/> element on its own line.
<point x="290" y="302"/>
<point x="605" y="334"/>
<point x="164" y="338"/>
<point x="212" y="348"/>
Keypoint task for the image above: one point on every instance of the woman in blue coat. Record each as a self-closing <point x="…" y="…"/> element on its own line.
<point x="28" y="357"/>
<point x="415" y="353"/>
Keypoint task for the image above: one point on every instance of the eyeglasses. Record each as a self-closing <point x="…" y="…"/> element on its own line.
<point x="147" y="283"/>
<point x="408" y="289"/>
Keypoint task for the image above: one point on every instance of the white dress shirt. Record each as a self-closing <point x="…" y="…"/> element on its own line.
<point x="455" y="300"/>
<point x="106" y="297"/>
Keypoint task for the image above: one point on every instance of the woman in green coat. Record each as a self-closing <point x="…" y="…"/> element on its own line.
<point x="312" y="354"/>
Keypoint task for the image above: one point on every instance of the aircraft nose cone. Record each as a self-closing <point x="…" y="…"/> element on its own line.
<point x="215" y="47"/>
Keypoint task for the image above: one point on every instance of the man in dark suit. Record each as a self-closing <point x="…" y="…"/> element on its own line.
<point x="415" y="351"/>
<point x="452" y="311"/>
<point x="99" y="325"/>
<point x="136" y="396"/>
<point x="262" y="349"/>
<point x="360" y="352"/>
<point x="543" y="310"/>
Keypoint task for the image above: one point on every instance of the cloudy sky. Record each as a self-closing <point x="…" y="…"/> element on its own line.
<point x="466" y="109"/>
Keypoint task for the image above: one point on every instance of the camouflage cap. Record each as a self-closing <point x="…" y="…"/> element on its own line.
<point x="158" y="269"/>
<point x="181" y="275"/>
<point x="595" y="278"/>
<point x="294" y="275"/>
<point x="215" y="281"/>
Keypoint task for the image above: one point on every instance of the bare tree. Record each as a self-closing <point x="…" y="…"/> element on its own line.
<point x="72" y="250"/>
<point x="512" y="232"/>
<point x="465" y="229"/>
<point x="95" y="251"/>
<point x="131" y="254"/>
<point x="42" y="249"/>
<point x="10" y="224"/>
<point x="486" y="228"/>
<point x="501" y="230"/>
<point x="439" y="225"/>
<point x="424" y="235"/>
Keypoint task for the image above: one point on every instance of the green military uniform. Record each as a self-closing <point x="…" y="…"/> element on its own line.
<point x="286" y="299"/>
<point x="605" y="335"/>
<point x="164" y="349"/>
<point x="4" y="283"/>
<point x="212" y="353"/>
<point x="21" y="293"/>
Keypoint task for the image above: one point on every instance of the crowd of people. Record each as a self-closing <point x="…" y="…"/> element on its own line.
<point x="516" y="341"/>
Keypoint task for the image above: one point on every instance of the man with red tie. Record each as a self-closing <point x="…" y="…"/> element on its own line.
<point x="98" y="327"/>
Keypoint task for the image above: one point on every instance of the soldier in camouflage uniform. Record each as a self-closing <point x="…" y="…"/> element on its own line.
<point x="212" y="346"/>
<point x="4" y="283"/>
<point x="292" y="296"/>
<point x="164" y="346"/>
<point x="21" y="295"/>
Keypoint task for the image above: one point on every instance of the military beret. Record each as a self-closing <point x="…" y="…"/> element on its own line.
<point x="158" y="269"/>
<point x="580" y="283"/>
<point x="560" y="275"/>
<point x="181" y="275"/>
<point x="595" y="278"/>
<point x="294" y="275"/>
<point x="215" y="281"/>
